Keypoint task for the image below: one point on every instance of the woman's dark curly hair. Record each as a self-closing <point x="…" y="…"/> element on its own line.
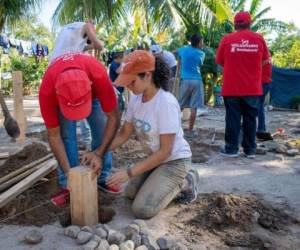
<point x="161" y="74"/>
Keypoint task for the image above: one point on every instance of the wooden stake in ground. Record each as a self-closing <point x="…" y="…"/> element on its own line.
<point x="84" y="196"/>
<point x="18" y="103"/>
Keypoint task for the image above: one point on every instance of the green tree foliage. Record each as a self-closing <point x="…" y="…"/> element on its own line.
<point x="286" y="49"/>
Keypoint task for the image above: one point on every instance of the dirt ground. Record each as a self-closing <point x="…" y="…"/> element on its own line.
<point x="244" y="203"/>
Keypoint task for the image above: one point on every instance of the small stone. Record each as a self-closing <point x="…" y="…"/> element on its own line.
<point x="113" y="247"/>
<point x="165" y="242"/>
<point x="101" y="232"/>
<point x="140" y="223"/>
<point x="142" y="247"/>
<point x="292" y="152"/>
<point x="127" y="245"/>
<point x="115" y="238"/>
<point x="87" y="229"/>
<point x="131" y="230"/>
<point x="72" y="231"/>
<point x="33" y="237"/>
<point x="103" y="245"/>
<point x="83" y="237"/>
<point x="137" y="240"/>
<point x="261" y="150"/>
<point x="96" y="238"/>
<point x="91" y="245"/>
<point x="179" y="246"/>
<point x="149" y="242"/>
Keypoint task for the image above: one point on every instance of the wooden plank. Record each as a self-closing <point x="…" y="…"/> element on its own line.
<point x="23" y="185"/>
<point x="17" y="178"/>
<point x="24" y="168"/>
<point x="19" y="113"/>
<point x="83" y="196"/>
<point x="4" y="155"/>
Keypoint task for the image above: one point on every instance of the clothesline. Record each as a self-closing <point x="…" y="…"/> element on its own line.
<point x="28" y="48"/>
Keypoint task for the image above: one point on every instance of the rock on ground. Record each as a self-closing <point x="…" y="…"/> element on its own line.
<point x="83" y="237"/>
<point x="87" y="229"/>
<point x="141" y="223"/>
<point x="72" y="231"/>
<point x="113" y="247"/>
<point x="137" y="240"/>
<point x="91" y="245"/>
<point x="149" y="242"/>
<point x="131" y="230"/>
<point x="116" y="238"/>
<point x="101" y="232"/>
<point x="103" y="245"/>
<point x="33" y="237"/>
<point x="142" y="247"/>
<point x="127" y="245"/>
<point x="165" y="242"/>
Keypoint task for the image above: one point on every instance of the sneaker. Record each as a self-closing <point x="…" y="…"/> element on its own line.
<point x="61" y="198"/>
<point x="250" y="156"/>
<point x="264" y="136"/>
<point x="109" y="189"/>
<point x="226" y="154"/>
<point x="193" y="180"/>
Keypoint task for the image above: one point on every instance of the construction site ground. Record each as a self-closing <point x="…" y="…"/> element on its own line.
<point x="243" y="203"/>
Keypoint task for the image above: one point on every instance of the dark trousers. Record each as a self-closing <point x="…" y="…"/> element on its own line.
<point x="241" y="112"/>
<point x="261" y="127"/>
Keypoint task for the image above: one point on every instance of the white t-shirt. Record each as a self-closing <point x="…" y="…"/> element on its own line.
<point x="160" y="115"/>
<point x="70" y="39"/>
<point x="169" y="58"/>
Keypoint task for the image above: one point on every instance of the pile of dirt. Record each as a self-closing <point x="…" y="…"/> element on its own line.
<point x="27" y="155"/>
<point x="232" y="218"/>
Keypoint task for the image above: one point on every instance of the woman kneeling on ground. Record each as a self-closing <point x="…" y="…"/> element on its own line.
<point x="154" y="115"/>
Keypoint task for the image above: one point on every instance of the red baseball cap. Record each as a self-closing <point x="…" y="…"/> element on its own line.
<point x="242" y="17"/>
<point x="139" y="61"/>
<point x="73" y="91"/>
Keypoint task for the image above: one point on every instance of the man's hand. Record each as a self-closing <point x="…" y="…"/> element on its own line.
<point x="118" y="178"/>
<point x="93" y="161"/>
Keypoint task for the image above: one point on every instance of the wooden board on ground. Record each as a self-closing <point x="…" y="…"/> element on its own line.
<point x="83" y="196"/>
<point x="23" y="185"/>
<point x="4" y="155"/>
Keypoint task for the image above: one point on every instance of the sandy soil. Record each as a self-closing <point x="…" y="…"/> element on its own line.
<point x="244" y="204"/>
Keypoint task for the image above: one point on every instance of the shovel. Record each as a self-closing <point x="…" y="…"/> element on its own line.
<point x="10" y="124"/>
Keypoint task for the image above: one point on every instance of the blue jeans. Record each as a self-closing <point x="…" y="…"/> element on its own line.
<point x="85" y="133"/>
<point x="97" y="122"/>
<point x="241" y="112"/>
<point x="261" y="127"/>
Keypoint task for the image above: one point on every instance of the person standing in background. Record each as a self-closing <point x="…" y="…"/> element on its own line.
<point x="242" y="55"/>
<point x="191" y="89"/>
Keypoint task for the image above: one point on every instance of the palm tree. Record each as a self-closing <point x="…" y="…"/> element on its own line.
<point x="12" y="10"/>
<point x="259" y="23"/>
<point x="100" y="11"/>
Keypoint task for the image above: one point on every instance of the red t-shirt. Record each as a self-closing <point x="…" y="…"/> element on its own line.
<point x="241" y="54"/>
<point x="266" y="73"/>
<point x="101" y="85"/>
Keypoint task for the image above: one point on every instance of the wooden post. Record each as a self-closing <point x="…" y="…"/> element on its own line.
<point x="83" y="196"/>
<point x="19" y="113"/>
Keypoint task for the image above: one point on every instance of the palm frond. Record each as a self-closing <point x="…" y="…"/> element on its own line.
<point x="254" y="6"/>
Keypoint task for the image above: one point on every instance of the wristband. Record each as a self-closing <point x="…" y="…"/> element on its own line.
<point x="129" y="172"/>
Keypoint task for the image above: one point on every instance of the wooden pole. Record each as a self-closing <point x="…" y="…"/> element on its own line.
<point x="83" y="196"/>
<point x="19" y="113"/>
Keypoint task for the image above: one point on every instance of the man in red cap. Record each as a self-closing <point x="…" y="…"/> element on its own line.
<point x="71" y="89"/>
<point x="242" y="55"/>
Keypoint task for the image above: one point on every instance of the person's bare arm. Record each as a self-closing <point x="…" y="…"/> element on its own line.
<point x="154" y="160"/>
<point x="122" y="136"/>
<point x="58" y="148"/>
<point x="96" y="43"/>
